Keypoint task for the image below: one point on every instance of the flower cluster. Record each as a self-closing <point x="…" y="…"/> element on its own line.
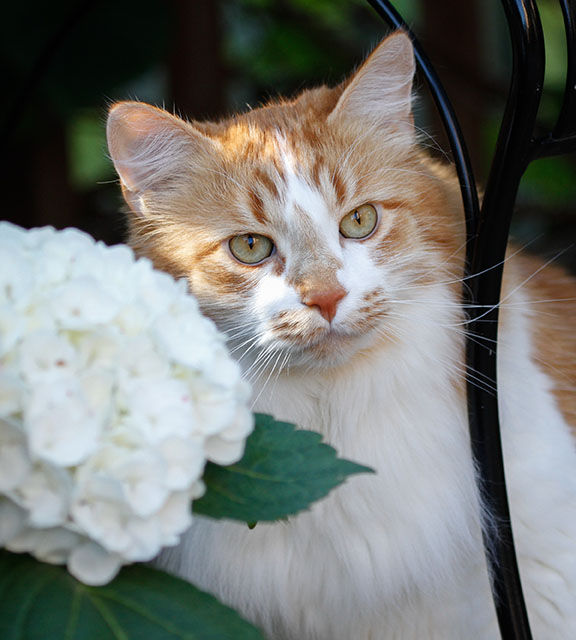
<point x="114" y="391"/>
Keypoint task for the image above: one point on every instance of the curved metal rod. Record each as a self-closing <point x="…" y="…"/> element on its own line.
<point x="562" y="139"/>
<point x="511" y="157"/>
<point x="488" y="237"/>
<point x="566" y="126"/>
<point x="446" y="112"/>
<point x="550" y="146"/>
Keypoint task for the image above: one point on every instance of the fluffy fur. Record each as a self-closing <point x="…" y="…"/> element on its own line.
<point x="397" y="554"/>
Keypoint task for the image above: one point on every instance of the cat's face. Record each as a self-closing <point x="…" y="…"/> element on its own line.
<point x="305" y="228"/>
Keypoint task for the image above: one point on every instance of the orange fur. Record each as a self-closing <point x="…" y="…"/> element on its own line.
<point x="237" y="187"/>
<point x="552" y="309"/>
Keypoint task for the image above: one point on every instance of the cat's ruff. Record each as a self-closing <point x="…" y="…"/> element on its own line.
<point x="362" y="339"/>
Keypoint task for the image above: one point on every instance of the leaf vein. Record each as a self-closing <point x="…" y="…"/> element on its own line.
<point x="74" y="612"/>
<point x="26" y="604"/>
<point x="108" y="618"/>
<point x="145" y="613"/>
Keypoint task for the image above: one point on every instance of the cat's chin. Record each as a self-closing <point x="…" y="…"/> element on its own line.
<point x="333" y="349"/>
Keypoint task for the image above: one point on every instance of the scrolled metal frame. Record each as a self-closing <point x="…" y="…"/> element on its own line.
<point x="487" y="230"/>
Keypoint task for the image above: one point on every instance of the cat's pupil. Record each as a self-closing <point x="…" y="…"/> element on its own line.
<point x="250" y="241"/>
<point x="357" y="217"/>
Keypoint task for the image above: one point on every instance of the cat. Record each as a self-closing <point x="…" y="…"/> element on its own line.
<point x="320" y="235"/>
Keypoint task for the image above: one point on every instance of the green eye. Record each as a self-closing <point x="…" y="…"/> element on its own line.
<point x="251" y="248"/>
<point x="360" y="222"/>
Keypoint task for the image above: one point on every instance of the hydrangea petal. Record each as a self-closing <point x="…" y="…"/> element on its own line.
<point x="48" y="545"/>
<point x="11" y="394"/>
<point x="45" y="355"/>
<point x="82" y="301"/>
<point x="216" y="408"/>
<point x="175" y="517"/>
<point x="15" y="462"/>
<point x="104" y="522"/>
<point x="16" y="276"/>
<point x="222" y="451"/>
<point x="161" y="408"/>
<point x="184" y="459"/>
<point x="142" y="478"/>
<point x="12" y="520"/>
<point x="184" y="339"/>
<point x="62" y="426"/>
<point x="241" y="427"/>
<point x="45" y="493"/>
<point x="93" y="565"/>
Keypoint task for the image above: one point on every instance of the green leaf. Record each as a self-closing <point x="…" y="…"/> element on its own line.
<point x="283" y="471"/>
<point x="43" y="602"/>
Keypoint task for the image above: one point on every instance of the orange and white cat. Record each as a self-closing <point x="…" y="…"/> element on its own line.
<point x="329" y="246"/>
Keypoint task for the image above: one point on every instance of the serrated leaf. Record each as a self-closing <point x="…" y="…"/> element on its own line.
<point x="43" y="602"/>
<point x="283" y="471"/>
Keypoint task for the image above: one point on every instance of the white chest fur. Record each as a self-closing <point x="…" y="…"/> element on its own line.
<point x="398" y="554"/>
<point x="382" y="541"/>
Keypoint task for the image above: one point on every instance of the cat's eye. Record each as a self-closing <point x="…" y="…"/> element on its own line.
<point x="251" y="248"/>
<point x="360" y="222"/>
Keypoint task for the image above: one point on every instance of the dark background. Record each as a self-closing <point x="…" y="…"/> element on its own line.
<point x="64" y="62"/>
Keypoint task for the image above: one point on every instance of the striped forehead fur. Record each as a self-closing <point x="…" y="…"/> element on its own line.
<point x="277" y="180"/>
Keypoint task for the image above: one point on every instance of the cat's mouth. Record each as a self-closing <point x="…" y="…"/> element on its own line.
<point x="292" y="338"/>
<point x="329" y="344"/>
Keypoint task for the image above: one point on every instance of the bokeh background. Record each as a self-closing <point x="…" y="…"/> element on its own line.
<point x="64" y="62"/>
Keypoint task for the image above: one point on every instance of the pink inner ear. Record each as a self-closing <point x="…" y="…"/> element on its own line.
<point x="131" y="131"/>
<point x="380" y="91"/>
<point x="149" y="145"/>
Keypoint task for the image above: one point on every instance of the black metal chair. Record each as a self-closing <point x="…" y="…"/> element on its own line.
<point x="488" y="228"/>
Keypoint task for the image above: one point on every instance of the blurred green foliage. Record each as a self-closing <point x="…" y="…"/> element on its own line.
<point x="550" y="182"/>
<point x="89" y="163"/>
<point x="122" y="49"/>
<point x="277" y="48"/>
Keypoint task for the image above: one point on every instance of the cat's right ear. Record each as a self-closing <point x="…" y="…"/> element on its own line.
<point x="150" y="149"/>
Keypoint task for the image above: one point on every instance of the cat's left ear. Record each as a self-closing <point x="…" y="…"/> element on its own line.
<point x="380" y="92"/>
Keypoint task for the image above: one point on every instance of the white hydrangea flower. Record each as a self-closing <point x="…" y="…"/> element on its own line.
<point x="114" y="392"/>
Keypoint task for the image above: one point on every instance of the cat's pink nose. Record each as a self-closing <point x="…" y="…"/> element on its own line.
<point x="325" y="299"/>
